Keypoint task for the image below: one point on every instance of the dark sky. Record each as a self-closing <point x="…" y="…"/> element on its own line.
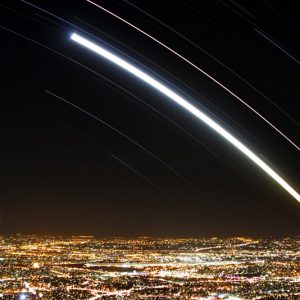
<point x="152" y="169"/>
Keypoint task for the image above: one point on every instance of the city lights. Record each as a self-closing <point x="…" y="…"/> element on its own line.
<point x="148" y="268"/>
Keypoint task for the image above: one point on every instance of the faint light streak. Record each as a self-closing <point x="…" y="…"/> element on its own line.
<point x="203" y="72"/>
<point x="293" y="57"/>
<point x="124" y="136"/>
<point x="135" y="171"/>
<point x="187" y="106"/>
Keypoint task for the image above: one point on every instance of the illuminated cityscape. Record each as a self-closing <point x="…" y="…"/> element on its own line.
<point x="85" y="267"/>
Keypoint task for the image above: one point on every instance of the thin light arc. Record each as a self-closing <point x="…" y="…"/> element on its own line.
<point x="200" y="70"/>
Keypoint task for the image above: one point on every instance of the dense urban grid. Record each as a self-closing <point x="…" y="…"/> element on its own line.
<point x="85" y="267"/>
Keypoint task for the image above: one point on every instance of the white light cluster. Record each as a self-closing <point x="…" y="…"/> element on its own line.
<point x="186" y="105"/>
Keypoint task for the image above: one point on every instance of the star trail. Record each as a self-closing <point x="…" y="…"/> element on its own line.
<point x="86" y="137"/>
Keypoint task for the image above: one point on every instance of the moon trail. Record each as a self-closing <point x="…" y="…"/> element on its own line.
<point x="188" y="107"/>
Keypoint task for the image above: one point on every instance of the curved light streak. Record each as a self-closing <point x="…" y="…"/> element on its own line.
<point x="204" y="72"/>
<point x="187" y="106"/>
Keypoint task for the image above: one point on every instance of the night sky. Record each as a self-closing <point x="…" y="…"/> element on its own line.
<point x="125" y="160"/>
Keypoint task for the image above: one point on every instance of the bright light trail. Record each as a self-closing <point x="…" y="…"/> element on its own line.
<point x="187" y="106"/>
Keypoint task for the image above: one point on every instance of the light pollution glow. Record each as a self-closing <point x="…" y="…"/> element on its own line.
<point x="187" y="106"/>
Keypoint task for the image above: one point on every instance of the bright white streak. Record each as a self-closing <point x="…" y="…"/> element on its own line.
<point x="186" y="105"/>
